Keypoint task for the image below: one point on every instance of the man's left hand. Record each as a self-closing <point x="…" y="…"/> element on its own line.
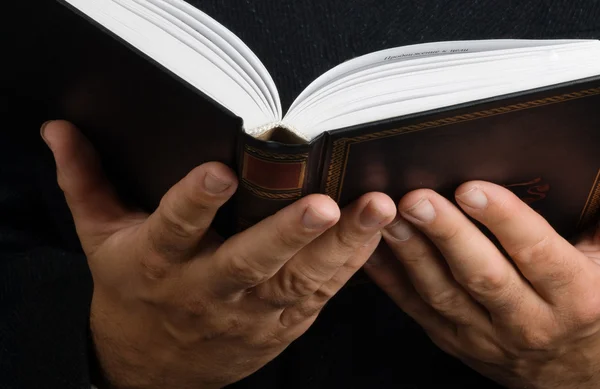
<point x="527" y="320"/>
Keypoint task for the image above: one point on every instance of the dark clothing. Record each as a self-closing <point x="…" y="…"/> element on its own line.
<point x="361" y="340"/>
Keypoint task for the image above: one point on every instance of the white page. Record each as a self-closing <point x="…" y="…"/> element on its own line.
<point x="231" y="58"/>
<point x="186" y="34"/>
<point x="412" y="52"/>
<point x="388" y="69"/>
<point x="401" y="94"/>
<point x="236" y="49"/>
<point x="381" y="111"/>
<point x="174" y="55"/>
<point x="397" y="88"/>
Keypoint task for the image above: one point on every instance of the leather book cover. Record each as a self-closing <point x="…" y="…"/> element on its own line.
<point x="274" y="174"/>
<point x="542" y="144"/>
<point x="151" y="128"/>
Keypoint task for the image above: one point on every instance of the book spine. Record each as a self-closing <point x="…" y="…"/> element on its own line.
<point x="274" y="175"/>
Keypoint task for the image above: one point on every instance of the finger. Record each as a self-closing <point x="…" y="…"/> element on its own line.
<point x="475" y="262"/>
<point x="255" y="255"/>
<point x="91" y="198"/>
<point x="557" y="270"/>
<point x="390" y="276"/>
<point x="310" y="307"/>
<point x="589" y="244"/>
<point x="431" y="276"/>
<point x="186" y="212"/>
<point x="304" y="274"/>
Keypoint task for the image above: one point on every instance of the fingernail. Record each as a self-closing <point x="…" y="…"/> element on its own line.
<point x="314" y="219"/>
<point x="475" y="198"/>
<point x="215" y="185"/>
<point x="371" y="215"/>
<point x="422" y="211"/>
<point x="401" y="230"/>
<point x="43" y="132"/>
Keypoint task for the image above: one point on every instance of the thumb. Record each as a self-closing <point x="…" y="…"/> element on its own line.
<point x="90" y="197"/>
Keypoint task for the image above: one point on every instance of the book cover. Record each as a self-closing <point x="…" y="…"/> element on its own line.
<point x="151" y="128"/>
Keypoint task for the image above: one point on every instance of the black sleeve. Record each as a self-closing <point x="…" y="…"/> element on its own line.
<point x="45" y="284"/>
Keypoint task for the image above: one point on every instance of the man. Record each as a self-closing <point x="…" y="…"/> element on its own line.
<point x="174" y="306"/>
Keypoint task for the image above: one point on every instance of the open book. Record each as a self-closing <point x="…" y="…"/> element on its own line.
<point x="523" y="113"/>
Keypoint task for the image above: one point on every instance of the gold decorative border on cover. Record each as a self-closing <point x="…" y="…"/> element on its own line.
<point x="592" y="206"/>
<point x="275" y="156"/>
<point x="257" y="191"/>
<point x="341" y="147"/>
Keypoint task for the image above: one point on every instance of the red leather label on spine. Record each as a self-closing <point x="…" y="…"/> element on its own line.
<point x="273" y="175"/>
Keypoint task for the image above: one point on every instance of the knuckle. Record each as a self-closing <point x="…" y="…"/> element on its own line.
<point x="63" y="184"/>
<point x="153" y="267"/>
<point x="415" y="256"/>
<point x="228" y="327"/>
<point x="344" y="271"/>
<point x="445" y="235"/>
<point x="486" y="348"/>
<point x="536" y="338"/>
<point x="443" y="300"/>
<point x="562" y="277"/>
<point x="293" y="318"/>
<point x="288" y="237"/>
<point x="161" y="246"/>
<point x="309" y="309"/>
<point x="505" y="210"/>
<point x="240" y="267"/>
<point x="542" y="248"/>
<point x="586" y="311"/>
<point x="232" y="325"/>
<point x="347" y="239"/>
<point x="560" y="270"/>
<point x="280" y="302"/>
<point x="265" y="341"/>
<point x="275" y="298"/>
<point x="278" y="340"/>
<point x="195" y="308"/>
<point x="325" y="293"/>
<point x="490" y="282"/>
<point x="301" y="283"/>
<point x="353" y="265"/>
<point x="176" y="224"/>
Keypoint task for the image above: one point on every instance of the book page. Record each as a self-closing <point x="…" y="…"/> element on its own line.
<point x="409" y="84"/>
<point x="193" y="52"/>
<point x="390" y="70"/>
<point x="415" y="52"/>
<point x="233" y="47"/>
<point x="177" y="24"/>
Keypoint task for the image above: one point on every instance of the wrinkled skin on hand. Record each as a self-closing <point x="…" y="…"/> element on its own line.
<point x="529" y="320"/>
<point x="177" y="306"/>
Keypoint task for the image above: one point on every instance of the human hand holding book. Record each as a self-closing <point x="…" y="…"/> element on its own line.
<point x="525" y="313"/>
<point x="174" y="304"/>
<point x="209" y="307"/>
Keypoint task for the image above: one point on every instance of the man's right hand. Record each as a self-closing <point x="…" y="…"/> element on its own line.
<point x="176" y="306"/>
